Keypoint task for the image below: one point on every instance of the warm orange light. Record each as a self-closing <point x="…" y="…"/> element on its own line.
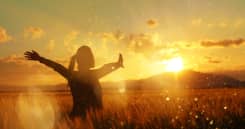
<point x="174" y="64"/>
<point x="121" y="89"/>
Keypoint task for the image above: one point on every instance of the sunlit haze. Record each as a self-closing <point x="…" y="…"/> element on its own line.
<point x="122" y="64"/>
<point x="174" y="64"/>
<point x="207" y="35"/>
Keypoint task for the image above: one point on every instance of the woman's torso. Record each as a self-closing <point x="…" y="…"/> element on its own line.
<point x="86" y="91"/>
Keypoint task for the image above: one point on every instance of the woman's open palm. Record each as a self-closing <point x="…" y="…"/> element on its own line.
<point x="32" y="55"/>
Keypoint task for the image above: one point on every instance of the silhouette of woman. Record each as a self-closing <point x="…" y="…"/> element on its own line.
<point x="84" y="83"/>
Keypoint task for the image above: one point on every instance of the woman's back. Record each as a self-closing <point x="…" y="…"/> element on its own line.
<point x="86" y="92"/>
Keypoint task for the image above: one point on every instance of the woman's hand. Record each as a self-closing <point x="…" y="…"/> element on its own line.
<point x="120" y="61"/>
<point x="32" y="55"/>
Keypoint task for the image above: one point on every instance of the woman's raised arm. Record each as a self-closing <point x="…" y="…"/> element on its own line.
<point x="110" y="67"/>
<point x="33" y="55"/>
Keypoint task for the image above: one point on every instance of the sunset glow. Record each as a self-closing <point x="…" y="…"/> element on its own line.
<point x="207" y="42"/>
<point x="174" y="64"/>
<point x="120" y="64"/>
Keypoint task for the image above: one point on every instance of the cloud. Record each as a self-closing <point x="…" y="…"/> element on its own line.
<point x="33" y="32"/>
<point x="17" y="59"/>
<point x="212" y="60"/>
<point x="4" y="37"/>
<point x="147" y="44"/>
<point x="13" y="67"/>
<point x="21" y="61"/>
<point x="70" y="37"/>
<point x="109" y="36"/>
<point x="24" y="72"/>
<point x="136" y="42"/>
<point x="181" y="44"/>
<point x="152" y="23"/>
<point x="223" y="43"/>
<point x="141" y="43"/>
<point x="221" y="25"/>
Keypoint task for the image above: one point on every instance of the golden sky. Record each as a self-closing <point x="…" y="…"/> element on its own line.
<point x="208" y="36"/>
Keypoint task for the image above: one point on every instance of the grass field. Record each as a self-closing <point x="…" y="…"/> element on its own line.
<point x="166" y="109"/>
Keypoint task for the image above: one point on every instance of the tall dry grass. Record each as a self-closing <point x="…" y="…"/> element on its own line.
<point x="166" y="109"/>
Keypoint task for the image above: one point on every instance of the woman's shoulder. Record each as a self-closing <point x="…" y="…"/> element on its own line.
<point x="94" y="73"/>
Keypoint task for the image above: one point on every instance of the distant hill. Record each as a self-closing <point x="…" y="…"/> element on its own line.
<point x="192" y="79"/>
<point x="238" y="74"/>
<point x="184" y="79"/>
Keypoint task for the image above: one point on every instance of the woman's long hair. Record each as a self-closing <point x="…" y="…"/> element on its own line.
<point x="84" y="58"/>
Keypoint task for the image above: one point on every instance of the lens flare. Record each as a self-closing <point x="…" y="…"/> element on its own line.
<point x="121" y="89"/>
<point x="35" y="111"/>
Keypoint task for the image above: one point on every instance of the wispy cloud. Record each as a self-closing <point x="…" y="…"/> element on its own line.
<point x="147" y="44"/>
<point x="69" y="41"/>
<point x="111" y="36"/>
<point x="212" y="60"/>
<point x="13" y="59"/>
<point x="152" y="23"/>
<point x="24" y="72"/>
<point x="70" y="37"/>
<point x="141" y="43"/>
<point x="223" y="43"/>
<point x="4" y="36"/>
<point x="220" y="24"/>
<point x="13" y="67"/>
<point x="144" y="43"/>
<point x="33" y="32"/>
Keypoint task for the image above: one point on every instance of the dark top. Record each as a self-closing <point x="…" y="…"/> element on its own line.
<point x="85" y="87"/>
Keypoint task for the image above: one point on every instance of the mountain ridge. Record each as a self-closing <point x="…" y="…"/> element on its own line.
<point x="183" y="79"/>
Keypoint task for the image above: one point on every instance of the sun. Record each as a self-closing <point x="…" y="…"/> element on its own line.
<point x="174" y="65"/>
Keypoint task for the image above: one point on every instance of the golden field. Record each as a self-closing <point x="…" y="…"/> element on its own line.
<point x="165" y="109"/>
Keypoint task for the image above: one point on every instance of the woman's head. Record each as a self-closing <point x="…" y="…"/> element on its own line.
<point x="85" y="58"/>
